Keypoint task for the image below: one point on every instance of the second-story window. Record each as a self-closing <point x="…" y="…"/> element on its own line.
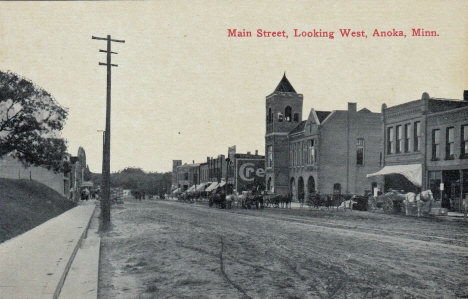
<point x="435" y="144"/>
<point x="399" y="141"/>
<point x="417" y="136"/>
<point x="360" y="152"/>
<point x="407" y="138"/>
<point x="450" y="143"/>
<point x="270" y="156"/>
<point x="304" y="152"/>
<point x="311" y="152"/>
<point x="290" y="154"/>
<point x="391" y="140"/>
<point x="464" y="141"/>
<point x="298" y="154"/>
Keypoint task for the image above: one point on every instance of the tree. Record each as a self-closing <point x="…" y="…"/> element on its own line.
<point x="30" y="123"/>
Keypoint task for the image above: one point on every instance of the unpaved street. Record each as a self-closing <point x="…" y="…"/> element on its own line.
<point x="163" y="249"/>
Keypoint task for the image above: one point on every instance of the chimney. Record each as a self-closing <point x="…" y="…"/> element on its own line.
<point x="352" y="107"/>
<point x="193" y="161"/>
<point x="256" y="152"/>
<point x="465" y="95"/>
<point x="248" y="153"/>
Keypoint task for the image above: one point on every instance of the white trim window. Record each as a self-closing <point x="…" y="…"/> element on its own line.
<point x="270" y="156"/>
<point x="360" y="152"/>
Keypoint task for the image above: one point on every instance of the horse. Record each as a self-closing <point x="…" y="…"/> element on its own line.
<point x="347" y="204"/>
<point x="232" y="198"/>
<point x="419" y="200"/>
<point x="285" y="201"/>
<point x="314" y="200"/>
<point x="371" y="204"/>
<point x="272" y="200"/>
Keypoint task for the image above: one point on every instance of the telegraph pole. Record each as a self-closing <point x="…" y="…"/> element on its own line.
<point x="105" y="200"/>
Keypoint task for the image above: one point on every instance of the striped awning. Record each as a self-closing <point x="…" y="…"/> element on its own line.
<point x="212" y="187"/>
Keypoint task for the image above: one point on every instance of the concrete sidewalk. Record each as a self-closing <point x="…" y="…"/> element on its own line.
<point x="35" y="264"/>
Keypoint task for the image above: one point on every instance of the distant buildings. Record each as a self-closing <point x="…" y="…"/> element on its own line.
<point x="66" y="183"/>
<point x="240" y="171"/>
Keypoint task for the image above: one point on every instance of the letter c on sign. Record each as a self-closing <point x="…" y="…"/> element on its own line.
<point x="245" y="170"/>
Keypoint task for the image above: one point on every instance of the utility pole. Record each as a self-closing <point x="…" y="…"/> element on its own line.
<point x="105" y="200"/>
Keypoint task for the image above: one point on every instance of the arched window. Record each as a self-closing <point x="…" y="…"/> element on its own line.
<point x="270" y="116"/>
<point x="300" y="189"/>
<point x="311" y="185"/>
<point x="292" y="188"/>
<point x="287" y="114"/>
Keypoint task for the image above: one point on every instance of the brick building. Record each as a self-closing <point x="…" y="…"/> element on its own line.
<point x="329" y="152"/>
<point x="425" y="144"/>
<point x="187" y="175"/>
<point x="245" y="171"/>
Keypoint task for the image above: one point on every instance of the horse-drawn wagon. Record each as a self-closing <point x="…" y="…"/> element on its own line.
<point x="399" y="202"/>
<point x="390" y="202"/>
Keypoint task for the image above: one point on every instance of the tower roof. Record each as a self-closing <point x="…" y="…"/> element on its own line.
<point x="285" y="86"/>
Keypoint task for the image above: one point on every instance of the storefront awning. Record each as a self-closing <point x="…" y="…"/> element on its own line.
<point x="222" y="184"/>
<point x="176" y="190"/>
<point x="212" y="187"/>
<point x="413" y="172"/>
<point x="192" y="189"/>
<point x="202" y="186"/>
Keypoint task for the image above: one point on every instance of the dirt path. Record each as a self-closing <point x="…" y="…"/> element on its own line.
<point x="159" y="249"/>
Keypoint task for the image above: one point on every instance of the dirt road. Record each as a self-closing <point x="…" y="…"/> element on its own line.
<point x="162" y="249"/>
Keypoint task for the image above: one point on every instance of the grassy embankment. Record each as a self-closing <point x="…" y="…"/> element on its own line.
<point x="25" y="204"/>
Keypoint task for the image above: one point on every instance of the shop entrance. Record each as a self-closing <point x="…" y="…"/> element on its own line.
<point x="452" y="189"/>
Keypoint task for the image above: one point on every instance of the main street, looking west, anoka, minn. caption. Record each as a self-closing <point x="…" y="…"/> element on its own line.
<point x="330" y="34"/>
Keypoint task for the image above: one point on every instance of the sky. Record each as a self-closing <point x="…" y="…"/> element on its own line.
<point x="185" y="90"/>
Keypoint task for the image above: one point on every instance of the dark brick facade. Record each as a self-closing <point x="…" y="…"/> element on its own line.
<point x="283" y="114"/>
<point x="439" y="146"/>
<point x="317" y="154"/>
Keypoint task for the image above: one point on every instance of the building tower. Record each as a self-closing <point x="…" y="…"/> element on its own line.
<point x="283" y="114"/>
<point x="175" y="179"/>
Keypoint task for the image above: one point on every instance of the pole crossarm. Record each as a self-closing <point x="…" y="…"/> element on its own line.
<point x="104" y="51"/>
<point x="102" y="63"/>
<point x="108" y="38"/>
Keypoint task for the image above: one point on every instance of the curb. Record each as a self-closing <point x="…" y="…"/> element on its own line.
<point x="72" y="257"/>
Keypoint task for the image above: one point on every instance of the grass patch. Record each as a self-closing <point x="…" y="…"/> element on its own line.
<point x="25" y="204"/>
